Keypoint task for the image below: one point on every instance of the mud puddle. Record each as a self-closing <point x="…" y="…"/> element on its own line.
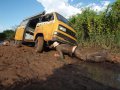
<point x="105" y="73"/>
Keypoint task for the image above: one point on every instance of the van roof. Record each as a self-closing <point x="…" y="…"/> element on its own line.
<point x="34" y="16"/>
<point x="37" y="15"/>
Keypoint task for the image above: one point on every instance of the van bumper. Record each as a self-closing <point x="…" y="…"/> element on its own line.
<point x="64" y="39"/>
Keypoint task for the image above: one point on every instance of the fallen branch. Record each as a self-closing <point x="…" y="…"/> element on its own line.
<point x="98" y="56"/>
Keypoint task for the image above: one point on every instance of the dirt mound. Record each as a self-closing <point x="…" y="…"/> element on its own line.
<point x="23" y="64"/>
<point x="24" y="69"/>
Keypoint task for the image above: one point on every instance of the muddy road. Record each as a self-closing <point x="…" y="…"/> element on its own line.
<point x="24" y="69"/>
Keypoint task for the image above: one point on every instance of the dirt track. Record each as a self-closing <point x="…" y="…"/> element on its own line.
<point x="24" y="69"/>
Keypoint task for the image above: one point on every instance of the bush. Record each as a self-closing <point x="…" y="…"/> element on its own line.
<point x="98" y="29"/>
<point x="9" y="34"/>
<point x="2" y="36"/>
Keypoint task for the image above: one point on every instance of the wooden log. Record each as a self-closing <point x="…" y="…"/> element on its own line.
<point x="98" y="56"/>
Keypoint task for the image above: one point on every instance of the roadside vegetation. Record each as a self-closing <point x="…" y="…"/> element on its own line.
<point x="98" y="29"/>
<point x="7" y="34"/>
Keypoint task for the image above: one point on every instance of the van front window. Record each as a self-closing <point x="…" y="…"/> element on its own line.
<point x="61" y="18"/>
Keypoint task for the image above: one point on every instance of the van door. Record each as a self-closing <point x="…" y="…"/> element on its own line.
<point x="47" y="26"/>
<point x="20" y="30"/>
<point x="19" y="33"/>
<point x="38" y="29"/>
<point x="30" y="29"/>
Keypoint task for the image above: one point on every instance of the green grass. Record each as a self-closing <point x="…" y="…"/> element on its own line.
<point x="109" y="41"/>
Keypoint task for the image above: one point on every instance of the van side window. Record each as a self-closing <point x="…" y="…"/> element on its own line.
<point x="48" y="17"/>
<point x="31" y="26"/>
<point x="33" y="23"/>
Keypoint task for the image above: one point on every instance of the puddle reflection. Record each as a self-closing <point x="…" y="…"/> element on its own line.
<point x="104" y="74"/>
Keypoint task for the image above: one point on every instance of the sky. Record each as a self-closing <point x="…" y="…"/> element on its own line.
<point x="12" y="12"/>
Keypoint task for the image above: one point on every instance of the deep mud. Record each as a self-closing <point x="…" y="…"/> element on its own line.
<point x="24" y="69"/>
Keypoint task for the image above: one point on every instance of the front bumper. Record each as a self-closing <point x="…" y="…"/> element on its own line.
<point x="59" y="37"/>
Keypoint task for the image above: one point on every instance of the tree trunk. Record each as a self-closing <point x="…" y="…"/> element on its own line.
<point x="98" y="56"/>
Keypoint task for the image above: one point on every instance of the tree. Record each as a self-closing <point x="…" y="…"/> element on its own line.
<point x="2" y="36"/>
<point x="9" y="34"/>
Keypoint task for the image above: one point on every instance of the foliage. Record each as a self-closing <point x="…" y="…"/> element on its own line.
<point x="98" y="28"/>
<point x="7" y="34"/>
<point x="2" y="36"/>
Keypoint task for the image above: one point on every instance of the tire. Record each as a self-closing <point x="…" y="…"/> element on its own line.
<point x="39" y="44"/>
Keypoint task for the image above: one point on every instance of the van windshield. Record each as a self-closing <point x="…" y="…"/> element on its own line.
<point x="61" y="18"/>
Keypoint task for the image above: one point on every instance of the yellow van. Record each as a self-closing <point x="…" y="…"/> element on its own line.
<point x="44" y="29"/>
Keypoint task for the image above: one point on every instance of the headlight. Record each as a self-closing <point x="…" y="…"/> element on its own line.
<point x="55" y="33"/>
<point x="62" y="28"/>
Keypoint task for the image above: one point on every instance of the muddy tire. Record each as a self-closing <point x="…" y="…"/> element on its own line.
<point x="39" y="44"/>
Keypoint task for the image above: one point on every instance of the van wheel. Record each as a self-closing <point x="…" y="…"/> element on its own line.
<point x="39" y="44"/>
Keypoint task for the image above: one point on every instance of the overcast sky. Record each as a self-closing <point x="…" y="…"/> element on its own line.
<point x="12" y="12"/>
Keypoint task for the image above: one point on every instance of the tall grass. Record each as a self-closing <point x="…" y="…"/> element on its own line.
<point x="109" y="41"/>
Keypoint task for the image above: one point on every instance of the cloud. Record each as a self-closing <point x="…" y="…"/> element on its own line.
<point x="78" y="5"/>
<point x="61" y="6"/>
<point x="99" y="7"/>
<point x="2" y="28"/>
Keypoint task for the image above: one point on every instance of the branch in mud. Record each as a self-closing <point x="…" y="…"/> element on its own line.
<point x="98" y="56"/>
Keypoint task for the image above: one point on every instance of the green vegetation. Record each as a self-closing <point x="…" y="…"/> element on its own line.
<point x="98" y="28"/>
<point x="2" y="36"/>
<point x="7" y="34"/>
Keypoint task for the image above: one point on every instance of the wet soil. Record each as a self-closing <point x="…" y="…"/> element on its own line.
<point x="24" y="69"/>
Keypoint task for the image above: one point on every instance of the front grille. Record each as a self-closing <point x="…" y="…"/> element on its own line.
<point x="69" y="32"/>
<point x="66" y="38"/>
